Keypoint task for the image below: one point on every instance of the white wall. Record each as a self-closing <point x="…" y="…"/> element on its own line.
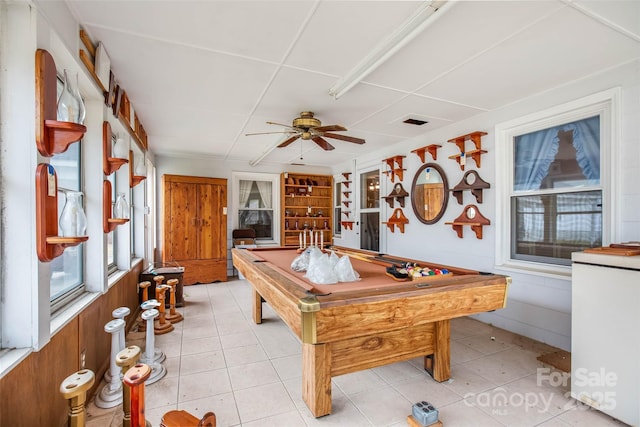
<point x="539" y="306"/>
<point x="216" y="168"/>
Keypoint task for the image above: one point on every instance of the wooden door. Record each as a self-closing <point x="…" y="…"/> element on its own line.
<point x="195" y="227"/>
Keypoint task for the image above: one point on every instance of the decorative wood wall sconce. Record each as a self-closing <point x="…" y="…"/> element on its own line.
<point x="109" y="164"/>
<point x="472" y="217"/>
<point x="470" y="181"/>
<point x="397" y="219"/>
<point x="52" y="136"/>
<point x="398" y="193"/>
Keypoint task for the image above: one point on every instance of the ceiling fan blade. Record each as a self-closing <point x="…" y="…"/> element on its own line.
<point x="280" y="124"/>
<point x="289" y="141"/>
<point x="345" y="138"/>
<point x="330" y="128"/>
<point x="322" y="143"/>
<point x="268" y="133"/>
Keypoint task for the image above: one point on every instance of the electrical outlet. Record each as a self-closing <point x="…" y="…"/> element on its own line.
<point x="82" y="359"/>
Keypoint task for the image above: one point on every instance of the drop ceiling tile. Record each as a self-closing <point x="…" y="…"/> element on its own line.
<point x="455" y="36"/>
<point x="438" y="113"/>
<point x="293" y="91"/>
<point x="341" y="33"/>
<point x="238" y="28"/>
<point x="543" y="56"/>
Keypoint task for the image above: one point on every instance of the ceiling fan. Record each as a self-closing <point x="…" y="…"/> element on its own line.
<point x="308" y="127"/>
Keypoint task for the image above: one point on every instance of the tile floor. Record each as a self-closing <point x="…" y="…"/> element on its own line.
<point x="250" y="375"/>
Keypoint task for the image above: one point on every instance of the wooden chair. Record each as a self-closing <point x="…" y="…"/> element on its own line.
<point x="180" y="418"/>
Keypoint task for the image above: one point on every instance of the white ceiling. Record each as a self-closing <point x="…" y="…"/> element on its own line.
<point x="202" y="74"/>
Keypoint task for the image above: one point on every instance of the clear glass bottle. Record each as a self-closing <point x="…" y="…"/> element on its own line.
<point x="73" y="221"/>
<point x="121" y="208"/>
<point x="70" y="103"/>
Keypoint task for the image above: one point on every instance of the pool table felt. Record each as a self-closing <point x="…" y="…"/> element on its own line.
<point x="372" y="275"/>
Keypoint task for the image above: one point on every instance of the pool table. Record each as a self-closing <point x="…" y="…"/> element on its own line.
<point x="348" y="327"/>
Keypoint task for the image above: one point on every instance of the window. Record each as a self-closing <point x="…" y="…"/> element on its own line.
<point x="111" y="237"/>
<point x="257" y="196"/>
<point x="556" y="188"/>
<point x="337" y="209"/>
<point x="67" y="275"/>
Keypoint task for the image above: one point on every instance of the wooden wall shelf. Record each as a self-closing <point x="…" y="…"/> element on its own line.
<point x="395" y="167"/>
<point x="48" y="244"/>
<point x="109" y="164"/>
<point x="108" y="223"/>
<point x="398" y="194"/>
<point x="346" y="184"/>
<point x="471" y="217"/>
<point x="471" y="181"/>
<point x="397" y="219"/>
<point x="431" y="149"/>
<point x="348" y="225"/>
<point x="475" y="154"/>
<point x="52" y="136"/>
<point x="134" y="179"/>
<point x="346" y="175"/>
<point x="306" y="204"/>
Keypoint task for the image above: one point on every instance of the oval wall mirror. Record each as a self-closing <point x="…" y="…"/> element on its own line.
<point x="429" y="193"/>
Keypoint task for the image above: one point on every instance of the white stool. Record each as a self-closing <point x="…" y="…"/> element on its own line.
<point x="157" y="369"/>
<point x="118" y="313"/>
<point x="159" y="356"/>
<point x="111" y="394"/>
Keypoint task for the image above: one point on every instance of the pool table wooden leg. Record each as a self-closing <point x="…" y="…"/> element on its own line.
<point x="316" y="378"/>
<point x="257" y="307"/>
<point x="439" y="363"/>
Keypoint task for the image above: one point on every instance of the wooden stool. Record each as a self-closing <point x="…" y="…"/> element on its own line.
<point x="173" y="316"/>
<point x="74" y="388"/>
<point x="158" y="280"/>
<point x="134" y="379"/>
<point x="179" y="418"/>
<point x="125" y="359"/>
<point x="162" y="326"/>
<point x="145" y="297"/>
<point x="111" y="394"/>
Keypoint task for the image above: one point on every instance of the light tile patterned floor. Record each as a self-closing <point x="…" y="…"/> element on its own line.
<point x="250" y="376"/>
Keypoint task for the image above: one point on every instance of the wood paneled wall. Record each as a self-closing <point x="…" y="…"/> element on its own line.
<point x="29" y="394"/>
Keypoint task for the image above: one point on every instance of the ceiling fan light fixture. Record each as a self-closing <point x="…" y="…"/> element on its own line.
<point x="421" y="19"/>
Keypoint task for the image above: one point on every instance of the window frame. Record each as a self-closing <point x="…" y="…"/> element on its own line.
<point x="74" y="291"/>
<point x="236" y="177"/>
<point x="605" y="104"/>
<point x="337" y="207"/>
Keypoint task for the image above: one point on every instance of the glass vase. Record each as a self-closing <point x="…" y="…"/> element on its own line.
<point x="141" y="167"/>
<point x="70" y="104"/>
<point x="121" y="148"/>
<point x="121" y="208"/>
<point x="73" y="221"/>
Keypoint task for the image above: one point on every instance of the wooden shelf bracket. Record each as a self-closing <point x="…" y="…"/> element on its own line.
<point x="431" y="149"/>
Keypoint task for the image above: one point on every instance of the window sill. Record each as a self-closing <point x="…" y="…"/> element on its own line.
<point x="60" y="319"/>
<point x="537" y="269"/>
<point x="11" y="358"/>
